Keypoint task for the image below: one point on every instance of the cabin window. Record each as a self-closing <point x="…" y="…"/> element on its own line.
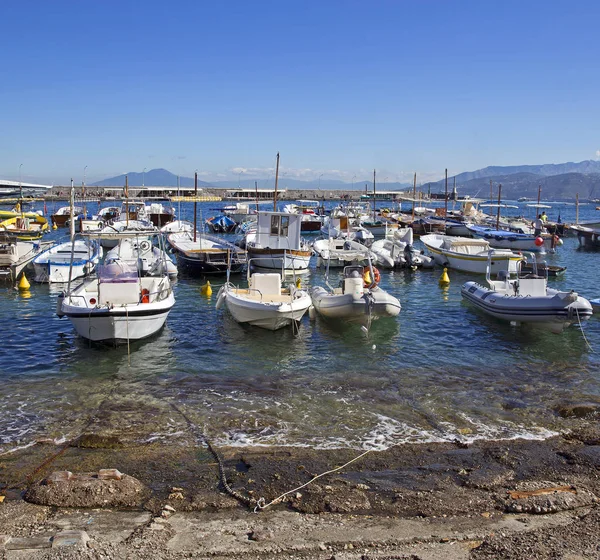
<point x="274" y="225"/>
<point x="285" y="224"/>
<point x="280" y="225"/>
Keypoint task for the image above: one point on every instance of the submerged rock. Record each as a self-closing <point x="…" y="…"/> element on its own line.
<point x="585" y="410"/>
<point x="88" y="490"/>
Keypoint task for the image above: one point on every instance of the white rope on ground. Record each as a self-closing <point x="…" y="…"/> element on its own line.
<point x="260" y="505"/>
<point x="582" y="333"/>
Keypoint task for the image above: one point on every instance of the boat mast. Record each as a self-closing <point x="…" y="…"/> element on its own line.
<point x="72" y="212"/>
<point x="491" y="191"/>
<point x="374" y="197"/>
<point x="256" y="195"/>
<point x="276" y="181"/>
<point x="414" y="195"/>
<point x="195" y="202"/>
<point x="539" y="196"/>
<point x="576" y="208"/>
<point x="498" y="215"/>
<point x="127" y="202"/>
<point x="446" y="196"/>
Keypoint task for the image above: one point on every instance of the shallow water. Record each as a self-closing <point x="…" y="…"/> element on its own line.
<point x="440" y="371"/>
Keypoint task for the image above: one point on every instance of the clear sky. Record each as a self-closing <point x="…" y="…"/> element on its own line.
<point x="338" y="87"/>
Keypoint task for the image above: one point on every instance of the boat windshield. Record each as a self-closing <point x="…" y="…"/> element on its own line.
<point x="117" y="271"/>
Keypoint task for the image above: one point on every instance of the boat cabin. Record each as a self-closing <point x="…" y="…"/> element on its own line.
<point x="278" y="230"/>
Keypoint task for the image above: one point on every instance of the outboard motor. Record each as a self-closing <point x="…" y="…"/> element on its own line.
<point x="59" y="303"/>
<point x="411" y="256"/>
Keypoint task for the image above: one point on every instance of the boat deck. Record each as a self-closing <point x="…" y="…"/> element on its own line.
<point x="255" y="295"/>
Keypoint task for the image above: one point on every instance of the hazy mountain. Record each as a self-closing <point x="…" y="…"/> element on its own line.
<point x="514" y="186"/>
<point x="548" y="169"/>
<point x="154" y="177"/>
<point x="558" y="181"/>
<point x="164" y="178"/>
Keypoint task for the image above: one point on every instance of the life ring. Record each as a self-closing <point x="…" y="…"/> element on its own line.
<point x="145" y="245"/>
<point x="145" y="296"/>
<point x="367" y="283"/>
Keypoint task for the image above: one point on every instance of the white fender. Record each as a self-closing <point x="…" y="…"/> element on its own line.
<point x="221" y="297"/>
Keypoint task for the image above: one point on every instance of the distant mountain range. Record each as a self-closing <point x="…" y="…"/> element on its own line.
<point x="557" y="181"/>
<point x="154" y="177"/>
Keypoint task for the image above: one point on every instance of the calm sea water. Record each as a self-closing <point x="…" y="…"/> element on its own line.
<point x="439" y="371"/>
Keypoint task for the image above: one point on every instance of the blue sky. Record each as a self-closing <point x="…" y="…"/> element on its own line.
<point x="338" y="87"/>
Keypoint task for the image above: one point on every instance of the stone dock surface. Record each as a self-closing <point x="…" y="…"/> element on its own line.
<point x="97" y="497"/>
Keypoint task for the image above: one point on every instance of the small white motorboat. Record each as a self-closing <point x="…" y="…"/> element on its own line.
<point x="358" y="299"/>
<point x="67" y="261"/>
<point x="177" y="226"/>
<point x="337" y="252"/>
<point x="469" y="255"/>
<point x="345" y="228"/>
<point x="515" y="241"/>
<point x="527" y="299"/>
<point x="265" y="303"/>
<point x="72" y="259"/>
<point x="140" y="251"/>
<point x="118" y="305"/>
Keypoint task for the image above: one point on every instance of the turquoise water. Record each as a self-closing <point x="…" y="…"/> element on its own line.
<point x="439" y="371"/>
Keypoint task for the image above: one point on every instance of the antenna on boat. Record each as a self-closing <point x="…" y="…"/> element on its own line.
<point x="374" y="198"/>
<point x="127" y="202"/>
<point x="414" y="195"/>
<point x="72" y="232"/>
<point x="195" y="203"/>
<point x="446" y="195"/>
<point x="498" y="214"/>
<point x="276" y="181"/>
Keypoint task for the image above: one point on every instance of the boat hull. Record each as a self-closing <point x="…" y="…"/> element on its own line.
<point x="278" y="258"/>
<point x="54" y="265"/>
<point x="377" y="303"/>
<point x="551" y="311"/>
<point x="271" y="315"/>
<point x="117" y="327"/>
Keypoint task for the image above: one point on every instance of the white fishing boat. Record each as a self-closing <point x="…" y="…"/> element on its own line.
<point x="98" y="221"/>
<point x="527" y="299"/>
<point x="200" y="253"/>
<point x="177" y="226"/>
<point x="265" y="303"/>
<point x="339" y="252"/>
<point x="344" y="227"/>
<point x="277" y="239"/>
<point x="72" y="259"/>
<point x="133" y="218"/>
<point x="502" y="239"/>
<point x="118" y="305"/>
<point x="63" y="215"/>
<point x="357" y="299"/>
<point x="139" y="250"/>
<point x="469" y="255"/>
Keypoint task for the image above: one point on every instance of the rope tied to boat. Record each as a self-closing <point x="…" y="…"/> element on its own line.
<point x="581" y="329"/>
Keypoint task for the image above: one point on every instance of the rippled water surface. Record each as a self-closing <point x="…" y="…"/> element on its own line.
<point x="441" y="370"/>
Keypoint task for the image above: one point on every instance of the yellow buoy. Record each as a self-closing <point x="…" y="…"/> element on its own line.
<point x="444" y="279"/>
<point x="54" y="226"/>
<point x="24" y="283"/>
<point x="298" y="283"/>
<point x="206" y="290"/>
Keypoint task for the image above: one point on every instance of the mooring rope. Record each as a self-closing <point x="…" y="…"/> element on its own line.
<point x="582" y="333"/>
<point x="256" y="505"/>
